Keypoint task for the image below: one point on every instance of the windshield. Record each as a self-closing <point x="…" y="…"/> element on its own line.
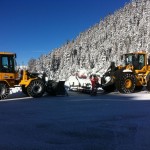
<point x="7" y="64"/>
<point x="137" y="60"/>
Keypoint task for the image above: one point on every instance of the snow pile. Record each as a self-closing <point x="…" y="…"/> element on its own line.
<point x="72" y="81"/>
<point x="75" y="81"/>
<point x="15" y="90"/>
<point x="79" y="80"/>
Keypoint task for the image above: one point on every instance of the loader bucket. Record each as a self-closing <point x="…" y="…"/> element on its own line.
<point x="60" y="90"/>
<point x="55" y="88"/>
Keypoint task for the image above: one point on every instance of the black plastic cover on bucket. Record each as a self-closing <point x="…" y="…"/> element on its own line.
<point x="60" y="90"/>
<point x="55" y="88"/>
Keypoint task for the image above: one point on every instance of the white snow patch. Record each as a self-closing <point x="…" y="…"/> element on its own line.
<point x="15" y="90"/>
<point x="72" y="80"/>
<point x="143" y="95"/>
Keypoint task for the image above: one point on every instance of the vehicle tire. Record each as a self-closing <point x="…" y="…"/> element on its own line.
<point x="126" y="83"/>
<point x="148" y="86"/>
<point x="24" y="90"/>
<point x="36" y="88"/>
<point x="4" y="90"/>
<point x="109" y="88"/>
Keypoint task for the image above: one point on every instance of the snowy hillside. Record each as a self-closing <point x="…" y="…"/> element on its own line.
<point x="127" y="30"/>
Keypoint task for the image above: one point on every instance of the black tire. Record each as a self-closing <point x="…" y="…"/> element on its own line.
<point x="4" y="90"/>
<point x="109" y="88"/>
<point x="126" y="83"/>
<point x="36" y="88"/>
<point x="24" y="90"/>
<point x="148" y="85"/>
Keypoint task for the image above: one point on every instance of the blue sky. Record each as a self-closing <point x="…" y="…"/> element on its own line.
<point x="34" y="27"/>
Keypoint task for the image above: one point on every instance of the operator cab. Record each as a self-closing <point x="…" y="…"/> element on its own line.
<point x="137" y="60"/>
<point x="7" y="62"/>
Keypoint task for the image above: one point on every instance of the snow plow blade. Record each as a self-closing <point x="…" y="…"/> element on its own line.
<point x="56" y="88"/>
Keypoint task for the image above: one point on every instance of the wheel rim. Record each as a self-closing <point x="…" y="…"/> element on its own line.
<point x="37" y="89"/>
<point x="128" y="83"/>
<point x="4" y="91"/>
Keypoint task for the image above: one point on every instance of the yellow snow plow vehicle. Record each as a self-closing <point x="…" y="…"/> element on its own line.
<point x="31" y="84"/>
<point x="133" y="75"/>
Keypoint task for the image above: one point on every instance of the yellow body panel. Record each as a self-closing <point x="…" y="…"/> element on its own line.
<point x="7" y="53"/>
<point x="9" y="78"/>
<point x="26" y="82"/>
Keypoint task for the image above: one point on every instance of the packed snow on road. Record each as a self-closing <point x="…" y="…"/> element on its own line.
<point x="111" y="121"/>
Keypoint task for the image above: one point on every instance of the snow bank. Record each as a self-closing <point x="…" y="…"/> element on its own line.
<point x="15" y="90"/>
<point x="72" y="81"/>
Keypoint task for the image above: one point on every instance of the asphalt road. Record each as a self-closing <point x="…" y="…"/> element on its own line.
<point x="77" y="122"/>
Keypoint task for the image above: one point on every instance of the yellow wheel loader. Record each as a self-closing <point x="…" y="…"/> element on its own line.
<point x="31" y="84"/>
<point x="133" y="75"/>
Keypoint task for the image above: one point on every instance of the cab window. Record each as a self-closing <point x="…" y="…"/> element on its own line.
<point x="7" y="64"/>
<point x="141" y="61"/>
